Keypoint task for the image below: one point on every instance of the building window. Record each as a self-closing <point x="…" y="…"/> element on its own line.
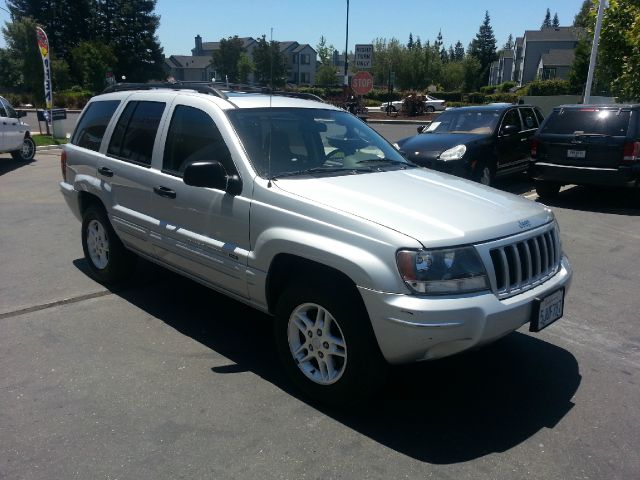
<point x="305" y="77"/>
<point x="548" y="73"/>
<point x="305" y="59"/>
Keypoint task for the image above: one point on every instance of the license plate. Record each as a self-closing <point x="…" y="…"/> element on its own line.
<point x="547" y="310"/>
<point x="576" y="153"/>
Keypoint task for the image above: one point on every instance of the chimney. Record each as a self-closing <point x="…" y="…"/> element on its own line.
<point x="198" y="45"/>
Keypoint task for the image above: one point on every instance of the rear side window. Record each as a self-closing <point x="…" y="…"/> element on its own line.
<point x="193" y="136"/>
<point x="529" y="118"/>
<point x="588" y="121"/>
<point x="93" y="124"/>
<point x="135" y="132"/>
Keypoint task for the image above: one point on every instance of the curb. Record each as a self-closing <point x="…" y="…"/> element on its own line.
<point x="48" y="147"/>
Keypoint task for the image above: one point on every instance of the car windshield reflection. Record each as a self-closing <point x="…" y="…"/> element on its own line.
<point x="286" y="142"/>
<point x="465" y="121"/>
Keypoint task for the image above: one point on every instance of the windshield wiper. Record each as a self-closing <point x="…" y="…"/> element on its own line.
<point x="308" y="171"/>
<point x="387" y="161"/>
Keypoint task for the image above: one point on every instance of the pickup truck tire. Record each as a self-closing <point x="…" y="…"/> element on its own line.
<point x="108" y="260"/>
<point x="27" y="151"/>
<point x="327" y="345"/>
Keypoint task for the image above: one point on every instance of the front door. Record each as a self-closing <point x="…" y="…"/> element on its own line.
<point x="510" y="145"/>
<point x="13" y="130"/>
<point x="204" y="232"/>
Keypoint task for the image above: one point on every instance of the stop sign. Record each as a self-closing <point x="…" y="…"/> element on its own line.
<point x="362" y="83"/>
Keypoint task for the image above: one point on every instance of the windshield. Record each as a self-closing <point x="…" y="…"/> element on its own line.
<point x="587" y="121"/>
<point x="290" y="141"/>
<point x="480" y="122"/>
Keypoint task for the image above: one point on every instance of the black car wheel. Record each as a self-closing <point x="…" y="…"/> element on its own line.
<point x="547" y="189"/>
<point x="484" y="173"/>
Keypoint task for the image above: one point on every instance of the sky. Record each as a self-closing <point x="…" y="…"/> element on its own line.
<point x="305" y="21"/>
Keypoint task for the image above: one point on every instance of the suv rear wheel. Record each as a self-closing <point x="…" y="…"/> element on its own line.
<point x="27" y="151"/>
<point x="109" y="261"/>
<point x="327" y="345"/>
<point x="547" y="189"/>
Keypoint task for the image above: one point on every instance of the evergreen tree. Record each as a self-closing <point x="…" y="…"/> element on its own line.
<point x="452" y="53"/>
<point x="459" y="50"/>
<point x="410" y="42"/>
<point x="509" y="45"/>
<point x="444" y="56"/>
<point x="556" y="20"/>
<point x="226" y="58"/>
<point x="582" y="17"/>
<point x="546" y="23"/>
<point x="483" y="48"/>
<point x="438" y="42"/>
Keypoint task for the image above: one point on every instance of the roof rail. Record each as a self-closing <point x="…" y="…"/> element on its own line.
<point x="200" y="87"/>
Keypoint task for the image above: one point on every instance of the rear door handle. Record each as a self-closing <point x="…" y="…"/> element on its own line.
<point x="164" y="192"/>
<point x="106" y="172"/>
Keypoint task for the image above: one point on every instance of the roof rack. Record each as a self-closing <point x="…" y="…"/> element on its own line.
<point x="200" y="87"/>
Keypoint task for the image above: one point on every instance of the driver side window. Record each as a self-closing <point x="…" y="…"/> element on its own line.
<point x="193" y="136"/>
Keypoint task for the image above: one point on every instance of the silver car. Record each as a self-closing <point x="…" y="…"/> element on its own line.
<point x="15" y="137"/>
<point x="302" y="211"/>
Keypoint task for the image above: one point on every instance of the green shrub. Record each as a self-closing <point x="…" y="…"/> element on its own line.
<point x="488" y="89"/>
<point x="505" y="87"/>
<point x="502" y="97"/>
<point x="547" y="87"/>
<point x="449" y="96"/>
<point x="475" y="97"/>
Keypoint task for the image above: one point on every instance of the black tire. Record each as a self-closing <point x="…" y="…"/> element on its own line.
<point x="117" y="262"/>
<point x="547" y="190"/>
<point x="391" y="109"/>
<point x="363" y="369"/>
<point x="27" y="151"/>
<point x="430" y="109"/>
<point x="484" y="173"/>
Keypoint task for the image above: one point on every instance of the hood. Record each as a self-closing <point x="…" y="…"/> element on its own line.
<point x="438" y="142"/>
<point x="434" y="208"/>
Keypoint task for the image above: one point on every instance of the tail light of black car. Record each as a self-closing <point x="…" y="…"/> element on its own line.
<point x="534" y="147"/>
<point x="631" y="152"/>
<point x="63" y="165"/>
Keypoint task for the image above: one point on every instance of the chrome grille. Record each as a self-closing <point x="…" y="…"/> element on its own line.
<point x="521" y="265"/>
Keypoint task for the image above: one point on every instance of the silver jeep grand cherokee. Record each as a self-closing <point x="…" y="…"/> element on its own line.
<point x="301" y="210"/>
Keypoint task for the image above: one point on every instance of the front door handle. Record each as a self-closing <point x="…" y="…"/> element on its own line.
<point x="105" y="172"/>
<point x="164" y="192"/>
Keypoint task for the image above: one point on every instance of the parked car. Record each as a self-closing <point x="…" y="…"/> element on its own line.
<point x="299" y="209"/>
<point x="431" y="104"/>
<point x="15" y="137"/>
<point x="587" y="145"/>
<point x="479" y="143"/>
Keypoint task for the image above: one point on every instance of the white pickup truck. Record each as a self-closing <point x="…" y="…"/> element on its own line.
<point x="15" y="137"/>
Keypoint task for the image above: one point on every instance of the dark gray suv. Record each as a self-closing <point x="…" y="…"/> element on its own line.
<point x="587" y="145"/>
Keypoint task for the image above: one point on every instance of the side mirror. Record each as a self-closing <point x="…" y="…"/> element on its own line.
<point x="509" y="130"/>
<point x="211" y="175"/>
<point x="421" y="128"/>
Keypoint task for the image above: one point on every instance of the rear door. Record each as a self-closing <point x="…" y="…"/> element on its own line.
<point x="590" y="137"/>
<point x="126" y="165"/>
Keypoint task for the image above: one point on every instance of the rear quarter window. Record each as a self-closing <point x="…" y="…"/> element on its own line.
<point x="93" y="124"/>
<point x="589" y="121"/>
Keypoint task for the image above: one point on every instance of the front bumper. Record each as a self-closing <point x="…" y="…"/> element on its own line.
<point x="412" y="328"/>
<point x="459" y="168"/>
<point x="569" y="174"/>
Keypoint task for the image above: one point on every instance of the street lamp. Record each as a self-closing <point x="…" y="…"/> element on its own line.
<point x="346" y="50"/>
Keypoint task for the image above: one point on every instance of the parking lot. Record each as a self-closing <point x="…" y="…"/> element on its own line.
<point x="167" y="379"/>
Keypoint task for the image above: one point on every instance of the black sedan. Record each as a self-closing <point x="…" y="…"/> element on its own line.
<point x="480" y="143"/>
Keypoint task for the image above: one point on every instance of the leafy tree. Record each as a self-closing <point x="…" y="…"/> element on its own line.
<point x="23" y="56"/>
<point x="582" y="17"/>
<point x="471" y="73"/>
<point x="245" y="68"/>
<point x="226" y="58"/>
<point x="546" y="23"/>
<point x="93" y="60"/>
<point x="326" y="75"/>
<point x="452" y="77"/>
<point x="556" y="20"/>
<point x="483" y="48"/>
<point x="325" y="52"/>
<point x="270" y="66"/>
<point x="580" y="66"/>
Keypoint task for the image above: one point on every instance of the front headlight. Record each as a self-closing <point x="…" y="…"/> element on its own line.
<point x="440" y="272"/>
<point x="455" y="153"/>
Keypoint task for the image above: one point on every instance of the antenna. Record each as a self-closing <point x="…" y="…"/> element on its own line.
<point x="270" y="112"/>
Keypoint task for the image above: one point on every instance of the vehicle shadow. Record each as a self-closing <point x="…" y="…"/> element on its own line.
<point x="618" y="201"/>
<point x="8" y="164"/>
<point x="449" y="411"/>
<point x="518" y="183"/>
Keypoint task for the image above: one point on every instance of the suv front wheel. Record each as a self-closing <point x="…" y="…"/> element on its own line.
<point x="547" y="190"/>
<point x="327" y="345"/>
<point x="108" y="259"/>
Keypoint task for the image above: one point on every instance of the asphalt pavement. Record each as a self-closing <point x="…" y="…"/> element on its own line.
<point x="167" y="379"/>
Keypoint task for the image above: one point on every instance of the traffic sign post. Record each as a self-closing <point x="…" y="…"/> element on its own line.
<point x="364" y="56"/>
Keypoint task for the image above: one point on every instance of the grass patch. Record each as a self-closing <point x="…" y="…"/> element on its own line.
<point x="42" y="140"/>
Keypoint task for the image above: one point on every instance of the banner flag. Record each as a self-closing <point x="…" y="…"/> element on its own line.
<point x="43" y="46"/>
